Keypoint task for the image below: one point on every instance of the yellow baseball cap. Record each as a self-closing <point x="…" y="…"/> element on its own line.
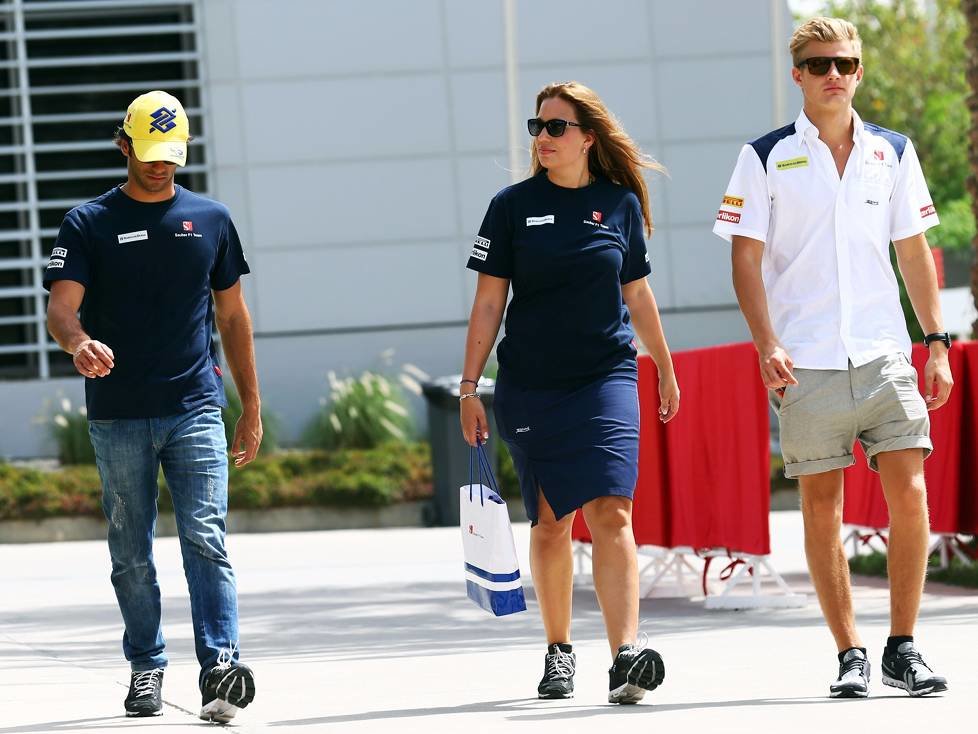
<point x="158" y="127"/>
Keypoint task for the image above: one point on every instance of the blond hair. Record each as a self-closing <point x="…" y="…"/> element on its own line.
<point x="823" y="30"/>
<point x="613" y="155"/>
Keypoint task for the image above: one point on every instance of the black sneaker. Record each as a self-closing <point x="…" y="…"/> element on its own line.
<point x="558" y="672"/>
<point x="635" y="671"/>
<point x="907" y="670"/>
<point x="145" y="693"/>
<point x="853" y="680"/>
<point x="227" y="687"/>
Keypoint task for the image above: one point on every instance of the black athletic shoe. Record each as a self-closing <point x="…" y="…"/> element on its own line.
<point x="145" y="693"/>
<point x="227" y="687"/>
<point x="558" y="672"/>
<point x="635" y="671"/>
<point x="853" y="681"/>
<point x="907" y="670"/>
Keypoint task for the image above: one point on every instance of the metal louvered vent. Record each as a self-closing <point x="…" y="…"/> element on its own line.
<point x="68" y="70"/>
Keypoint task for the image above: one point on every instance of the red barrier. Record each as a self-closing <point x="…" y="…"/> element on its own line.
<point x="945" y="470"/>
<point x="703" y="479"/>
<point x="968" y="511"/>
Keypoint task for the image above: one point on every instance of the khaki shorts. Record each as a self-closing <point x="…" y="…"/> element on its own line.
<point x="822" y="416"/>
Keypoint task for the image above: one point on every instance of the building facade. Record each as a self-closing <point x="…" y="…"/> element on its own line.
<point x="357" y="145"/>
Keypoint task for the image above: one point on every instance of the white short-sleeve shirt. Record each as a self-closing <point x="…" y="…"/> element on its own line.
<point x="831" y="291"/>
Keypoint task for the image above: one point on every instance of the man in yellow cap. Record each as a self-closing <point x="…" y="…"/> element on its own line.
<point x="151" y="266"/>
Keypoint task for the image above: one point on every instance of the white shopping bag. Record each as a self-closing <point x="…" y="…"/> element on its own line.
<point x="492" y="571"/>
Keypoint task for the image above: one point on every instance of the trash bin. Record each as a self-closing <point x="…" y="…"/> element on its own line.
<point x="449" y="452"/>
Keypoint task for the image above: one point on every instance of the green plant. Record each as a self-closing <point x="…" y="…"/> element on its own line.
<point x="392" y="472"/>
<point x="231" y="414"/>
<point x="361" y="413"/>
<point x="509" y="483"/>
<point x="32" y="494"/>
<point x="957" y="573"/>
<point x="70" y="430"/>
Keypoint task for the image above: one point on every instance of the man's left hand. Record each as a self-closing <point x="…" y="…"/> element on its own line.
<point x="937" y="379"/>
<point x="247" y="438"/>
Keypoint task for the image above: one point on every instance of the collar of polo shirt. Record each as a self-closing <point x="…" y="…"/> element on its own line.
<point x="806" y="128"/>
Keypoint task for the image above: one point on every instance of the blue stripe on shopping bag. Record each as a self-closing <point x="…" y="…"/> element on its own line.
<point x="499" y="603"/>
<point x="497" y="577"/>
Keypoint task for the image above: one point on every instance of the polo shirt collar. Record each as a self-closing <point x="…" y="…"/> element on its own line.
<point x="806" y="129"/>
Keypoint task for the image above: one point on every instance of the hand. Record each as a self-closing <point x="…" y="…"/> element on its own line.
<point x="247" y="438"/>
<point x="668" y="397"/>
<point x="937" y="375"/>
<point x="473" y="417"/>
<point x="776" y="368"/>
<point x="93" y="359"/>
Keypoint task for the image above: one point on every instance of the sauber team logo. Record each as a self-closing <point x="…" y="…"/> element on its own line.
<point x="596" y="216"/>
<point x="736" y="201"/>
<point x="732" y="217"/>
<point x="878" y="155"/>
<point x="926" y="211"/>
<point x="188" y="226"/>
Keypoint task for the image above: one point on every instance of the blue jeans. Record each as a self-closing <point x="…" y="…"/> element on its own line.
<point x="192" y="449"/>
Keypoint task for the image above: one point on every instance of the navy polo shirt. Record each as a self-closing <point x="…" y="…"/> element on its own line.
<point x="566" y="252"/>
<point x="148" y="271"/>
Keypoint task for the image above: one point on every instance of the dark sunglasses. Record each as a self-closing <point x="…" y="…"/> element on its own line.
<point x="820" y="65"/>
<point x="555" y="128"/>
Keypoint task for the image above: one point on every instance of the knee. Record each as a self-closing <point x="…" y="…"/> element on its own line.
<point x="551" y="531"/>
<point x="609" y="516"/>
<point x="908" y="497"/>
<point x="822" y="509"/>
<point x="205" y="540"/>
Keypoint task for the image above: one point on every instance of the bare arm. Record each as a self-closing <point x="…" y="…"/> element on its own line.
<point x="92" y="358"/>
<point x="487" y="314"/>
<point x="775" y="363"/>
<point x="642" y="307"/>
<point x="920" y="276"/>
<point x="234" y="323"/>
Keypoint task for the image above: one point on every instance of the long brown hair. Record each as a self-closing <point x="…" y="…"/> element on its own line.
<point x="614" y="155"/>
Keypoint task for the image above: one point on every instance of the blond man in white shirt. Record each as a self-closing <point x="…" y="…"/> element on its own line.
<point x="811" y="210"/>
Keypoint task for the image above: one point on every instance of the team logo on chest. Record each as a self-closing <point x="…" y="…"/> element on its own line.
<point x="187" y="228"/>
<point x="595" y="220"/>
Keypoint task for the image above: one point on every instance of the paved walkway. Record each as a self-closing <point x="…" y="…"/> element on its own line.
<point x="368" y="631"/>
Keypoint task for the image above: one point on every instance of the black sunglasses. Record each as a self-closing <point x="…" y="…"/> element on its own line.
<point x="820" y="65"/>
<point x="555" y="128"/>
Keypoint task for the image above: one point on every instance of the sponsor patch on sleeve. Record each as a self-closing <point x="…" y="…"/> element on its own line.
<point x="59" y="252"/>
<point x="55" y="262"/>
<point x="482" y="242"/>
<point x="736" y="201"/>
<point x="732" y="217"/>
<point x="479" y="254"/>
<point x="926" y="211"/>
<point x="785" y="165"/>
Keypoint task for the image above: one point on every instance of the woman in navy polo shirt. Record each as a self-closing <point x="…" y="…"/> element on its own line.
<point x="571" y="241"/>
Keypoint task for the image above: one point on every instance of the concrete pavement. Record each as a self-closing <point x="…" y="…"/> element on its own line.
<point x="369" y="631"/>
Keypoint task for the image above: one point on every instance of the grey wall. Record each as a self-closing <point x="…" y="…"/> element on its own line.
<point x="358" y="144"/>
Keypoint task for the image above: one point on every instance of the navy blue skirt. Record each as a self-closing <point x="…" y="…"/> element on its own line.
<point x="574" y="445"/>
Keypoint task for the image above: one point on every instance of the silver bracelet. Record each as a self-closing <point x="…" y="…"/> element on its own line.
<point x="468" y="395"/>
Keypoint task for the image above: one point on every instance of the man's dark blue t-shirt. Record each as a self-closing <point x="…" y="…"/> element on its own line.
<point x="148" y="271"/>
<point x="566" y="252"/>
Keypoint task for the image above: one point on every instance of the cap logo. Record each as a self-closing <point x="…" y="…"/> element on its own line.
<point x="163" y="120"/>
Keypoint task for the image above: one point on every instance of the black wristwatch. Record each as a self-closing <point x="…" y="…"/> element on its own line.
<point x="938" y="336"/>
